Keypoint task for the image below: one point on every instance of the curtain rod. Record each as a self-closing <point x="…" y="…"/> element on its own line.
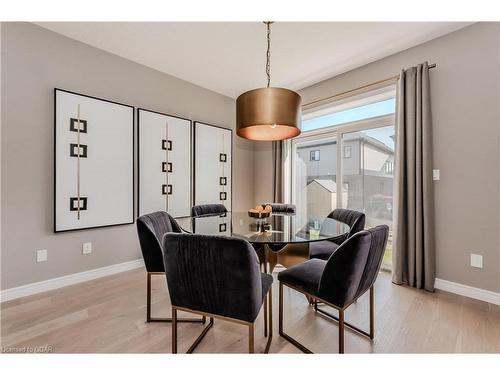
<point x="393" y="78"/>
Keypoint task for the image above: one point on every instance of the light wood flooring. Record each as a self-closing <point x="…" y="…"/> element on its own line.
<point x="108" y="315"/>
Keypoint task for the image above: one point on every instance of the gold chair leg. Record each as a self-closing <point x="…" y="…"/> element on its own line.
<point x="174" y="330"/>
<point x="372" y="314"/>
<point x="280" y="324"/>
<point x="201" y="336"/>
<point x="149" y="319"/>
<point x="265" y="316"/>
<point x="250" y="338"/>
<point x="341" y="331"/>
<point x="268" y="345"/>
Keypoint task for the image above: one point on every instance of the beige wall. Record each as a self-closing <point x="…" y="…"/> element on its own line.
<point x="465" y="99"/>
<point x="34" y="61"/>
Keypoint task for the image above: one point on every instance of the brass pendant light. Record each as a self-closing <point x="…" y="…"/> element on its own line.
<point x="269" y="113"/>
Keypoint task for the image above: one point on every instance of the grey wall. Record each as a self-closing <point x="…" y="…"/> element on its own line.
<point x="465" y="103"/>
<point x="34" y="61"/>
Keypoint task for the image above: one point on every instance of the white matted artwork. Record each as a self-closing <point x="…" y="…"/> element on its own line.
<point x="164" y="163"/>
<point x="93" y="162"/>
<point x="213" y="164"/>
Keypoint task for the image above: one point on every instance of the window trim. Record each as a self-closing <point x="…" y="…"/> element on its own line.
<point x="346" y="147"/>
<point x="313" y="152"/>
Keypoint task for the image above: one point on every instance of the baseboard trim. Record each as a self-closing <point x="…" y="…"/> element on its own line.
<point x="468" y="291"/>
<point x="59" y="282"/>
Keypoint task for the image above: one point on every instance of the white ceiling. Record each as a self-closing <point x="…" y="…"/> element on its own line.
<point x="229" y="58"/>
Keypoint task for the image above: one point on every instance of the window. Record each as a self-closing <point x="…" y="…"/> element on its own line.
<point x="357" y="140"/>
<point x="389" y="167"/>
<point x="314" y="155"/>
<point x="380" y="102"/>
<point x="347" y="152"/>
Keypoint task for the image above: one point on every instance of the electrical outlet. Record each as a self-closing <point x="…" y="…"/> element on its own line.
<point x="435" y="174"/>
<point x="41" y="255"/>
<point x="87" y="248"/>
<point x="476" y="261"/>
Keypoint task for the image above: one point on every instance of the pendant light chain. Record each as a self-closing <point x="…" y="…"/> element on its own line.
<point x="268" y="53"/>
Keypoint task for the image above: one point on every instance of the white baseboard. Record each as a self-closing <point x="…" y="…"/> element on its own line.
<point x="59" y="282"/>
<point x="468" y="291"/>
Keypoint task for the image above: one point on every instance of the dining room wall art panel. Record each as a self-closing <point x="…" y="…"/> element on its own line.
<point x="164" y="163"/>
<point x="213" y="164"/>
<point x="93" y="162"/>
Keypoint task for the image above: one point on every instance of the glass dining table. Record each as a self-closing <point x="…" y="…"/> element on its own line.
<point x="278" y="239"/>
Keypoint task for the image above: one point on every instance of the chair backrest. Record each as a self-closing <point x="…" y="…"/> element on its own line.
<point x="213" y="274"/>
<point x="208" y="209"/>
<point x="281" y="207"/>
<point x="150" y="229"/>
<point x="354" y="266"/>
<point x="355" y="219"/>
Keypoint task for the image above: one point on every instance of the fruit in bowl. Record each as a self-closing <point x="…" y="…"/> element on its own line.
<point x="260" y="212"/>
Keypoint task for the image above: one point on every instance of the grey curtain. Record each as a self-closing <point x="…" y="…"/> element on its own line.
<point x="413" y="246"/>
<point x="278" y="171"/>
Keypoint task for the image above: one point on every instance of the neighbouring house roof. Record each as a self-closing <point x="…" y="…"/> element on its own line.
<point x="329" y="185"/>
<point x="354" y="137"/>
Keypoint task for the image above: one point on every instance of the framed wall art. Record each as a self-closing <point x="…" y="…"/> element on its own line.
<point x="93" y="162"/>
<point x="164" y="163"/>
<point x="213" y="164"/>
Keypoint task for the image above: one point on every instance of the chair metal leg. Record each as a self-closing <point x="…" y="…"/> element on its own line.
<point x="341" y="331"/>
<point x="149" y="319"/>
<point x="270" y="320"/>
<point x="250" y="338"/>
<point x="280" y="324"/>
<point x="201" y="336"/>
<point x="372" y="314"/>
<point x="174" y="330"/>
<point x="370" y="334"/>
<point x="265" y="316"/>
<point x="340" y="319"/>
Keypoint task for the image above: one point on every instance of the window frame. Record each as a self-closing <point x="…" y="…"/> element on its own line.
<point x="313" y="152"/>
<point x="348" y="147"/>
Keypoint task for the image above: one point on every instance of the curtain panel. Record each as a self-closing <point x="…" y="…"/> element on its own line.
<point x="414" y="245"/>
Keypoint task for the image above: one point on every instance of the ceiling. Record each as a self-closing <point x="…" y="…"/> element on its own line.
<point x="229" y="57"/>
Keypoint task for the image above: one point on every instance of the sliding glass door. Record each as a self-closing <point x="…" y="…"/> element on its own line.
<point x="348" y="164"/>
<point x="315" y="175"/>
<point x="368" y="176"/>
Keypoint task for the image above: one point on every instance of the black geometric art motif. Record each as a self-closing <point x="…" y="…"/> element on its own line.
<point x="166" y="167"/>
<point x="73" y="127"/>
<point x="73" y="203"/>
<point x="222" y="158"/>
<point x="223" y="181"/>
<point x="74" y="150"/>
<point x="166" y="189"/>
<point x="222" y="195"/>
<point x="222" y="227"/>
<point x="166" y="145"/>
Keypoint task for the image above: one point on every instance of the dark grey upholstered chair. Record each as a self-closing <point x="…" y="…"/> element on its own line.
<point x="281" y="207"/>
<point x="340" y="280"/>
<point x="355" y="220"/>
<point x="208" y="209"/>
<point x="218" y="277"/>
<point x="150" y="229"/>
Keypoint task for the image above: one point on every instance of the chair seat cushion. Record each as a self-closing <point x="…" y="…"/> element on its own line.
<point x="322" y="249"/>
<point x="304" y="276"/>
<point x="267" y="281"/>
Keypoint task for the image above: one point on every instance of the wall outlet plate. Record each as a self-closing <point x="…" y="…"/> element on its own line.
<point x="41" y="255"/>
<point x="87" y="248"/>
<point x="476" y="261"/>
<point x="436" y="174"/>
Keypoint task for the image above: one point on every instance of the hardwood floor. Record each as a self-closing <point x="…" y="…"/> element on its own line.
<point x="108" y="315"/>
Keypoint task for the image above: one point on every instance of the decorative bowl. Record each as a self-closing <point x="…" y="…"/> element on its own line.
<point x="259" y="215"/>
